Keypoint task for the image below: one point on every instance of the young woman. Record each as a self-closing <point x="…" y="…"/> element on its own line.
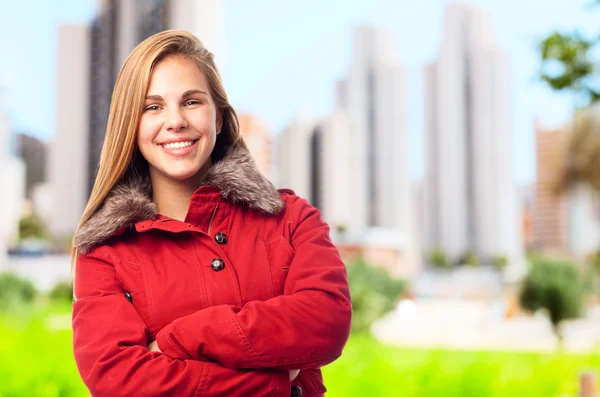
<point x="194" y="276"/>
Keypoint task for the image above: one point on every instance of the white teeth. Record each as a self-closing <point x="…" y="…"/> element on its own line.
<point x="177" y="145"/>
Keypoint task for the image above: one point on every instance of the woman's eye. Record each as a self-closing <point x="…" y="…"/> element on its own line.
<point x="152" y="107"/>
<point x="192" y="102"/>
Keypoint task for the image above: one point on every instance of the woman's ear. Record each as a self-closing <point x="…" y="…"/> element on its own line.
<point x="219" y="121"/>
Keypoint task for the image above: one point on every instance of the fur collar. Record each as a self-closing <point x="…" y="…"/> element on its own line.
<point x="129" y="202"/>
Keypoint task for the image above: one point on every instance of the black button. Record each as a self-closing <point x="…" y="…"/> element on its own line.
<point x="296" y="391"/>
<point x="128" y="297"/>
<point x="221" y="238"/>
<point x="217" y="264"/>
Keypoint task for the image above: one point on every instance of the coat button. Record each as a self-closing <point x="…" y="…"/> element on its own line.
<point x="221" y="238"/>
<point x="217" y="264"/>
<point x="296" y="391"/>
<point x="128" y="297"/>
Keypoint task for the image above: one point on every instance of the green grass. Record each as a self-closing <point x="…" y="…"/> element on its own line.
<point x="37" y="361"/>
<point x="368" y="368"/>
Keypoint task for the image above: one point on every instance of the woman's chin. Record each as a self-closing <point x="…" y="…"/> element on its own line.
<point x="181" y="174"/>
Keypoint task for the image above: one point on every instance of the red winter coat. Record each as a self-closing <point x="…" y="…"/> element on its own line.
<point x="248" y="287"/>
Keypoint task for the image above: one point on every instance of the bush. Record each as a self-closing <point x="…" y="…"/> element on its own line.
<point x="31" y="226"/>
<point x="62" y="292"/>
<point x="469" y="259"/>
<point x="374" y="293"/>
<point x="439" y="259"/>
<point x="499" y="262"/>
<point x="556" y="287"/>
<point x="15" y="291"/>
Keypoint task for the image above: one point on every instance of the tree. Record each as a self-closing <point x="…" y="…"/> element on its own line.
<point x="554" y="286"/>
<point x="568" y="64"/>
<point x="374" y="292"/>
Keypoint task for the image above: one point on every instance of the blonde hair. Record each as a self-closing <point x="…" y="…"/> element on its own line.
<point x="120" y="153"/>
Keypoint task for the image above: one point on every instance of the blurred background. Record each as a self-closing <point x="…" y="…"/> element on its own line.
<point x="454" y="148"/>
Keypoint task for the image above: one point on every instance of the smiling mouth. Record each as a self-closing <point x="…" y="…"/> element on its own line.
<point x="178" y="145"/>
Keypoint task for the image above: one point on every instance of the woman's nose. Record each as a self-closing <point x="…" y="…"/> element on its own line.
<point x="176" y="120"/>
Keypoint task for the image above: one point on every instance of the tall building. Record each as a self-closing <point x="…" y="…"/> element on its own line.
<point x="471" y="199"/>
<point x="69" y="150"/>
<point x="12" y="180"/>
<point x="373" y="95"/>
<point x="563" y="223"/>
<point x="33" y="152"/>
<point x="314" y="160"/>
<point x="258" y="139"/>
<point x="551" y="210"/>
<point x="293" y="156"/>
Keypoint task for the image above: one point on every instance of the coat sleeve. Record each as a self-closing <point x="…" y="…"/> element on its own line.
<point x="110" y="348"/>
<point x="307" y="327"/>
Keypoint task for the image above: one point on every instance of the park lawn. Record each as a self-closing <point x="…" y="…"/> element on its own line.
<point x="369" y="368"/>
<point x="36" y="360"/>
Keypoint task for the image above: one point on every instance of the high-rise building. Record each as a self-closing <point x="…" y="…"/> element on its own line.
<point x="12" y="180"/>
<point x="33" y="152"/>
<point x="69" y="150"/>
<point x="550" y="211"/>
<point x="314" y="161"/>
<point x="563" y="222"/>
<point x="293" y="156"/>
<point x="258" y="139"/>
<point x="470" y="193"/>
<point x="373" y="95"/>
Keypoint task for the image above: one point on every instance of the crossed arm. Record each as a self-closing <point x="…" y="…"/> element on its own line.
<point x="233" y="353"/>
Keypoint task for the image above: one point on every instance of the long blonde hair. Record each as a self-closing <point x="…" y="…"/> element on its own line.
<point x="120" y="147"/>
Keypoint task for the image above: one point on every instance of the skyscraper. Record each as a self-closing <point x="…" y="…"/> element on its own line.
<point x="314" y="160"/>
<point x="550" y="210"/>
<point x="373" y="95"/>
<point x="12" y="180"/>
<point x="69" y="149"/>
<point x="470" y="193"/>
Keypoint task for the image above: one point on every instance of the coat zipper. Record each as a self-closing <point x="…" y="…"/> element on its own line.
<point x="212" y="218"/>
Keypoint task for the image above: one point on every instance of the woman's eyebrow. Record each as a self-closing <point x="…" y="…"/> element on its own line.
<point x="192" y="92"/>
<point x="154" y="98"/>
<point x="185" y="95"/>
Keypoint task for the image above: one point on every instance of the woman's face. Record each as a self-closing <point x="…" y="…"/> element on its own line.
<point x="179" y="124"/>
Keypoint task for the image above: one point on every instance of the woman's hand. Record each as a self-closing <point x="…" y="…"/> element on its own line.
<point x="293" y="374"/>
<point x="153" y="347"/>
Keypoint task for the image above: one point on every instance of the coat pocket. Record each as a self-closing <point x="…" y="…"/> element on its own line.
<point x="131" y="276"/>
<point x="279" y="255"/>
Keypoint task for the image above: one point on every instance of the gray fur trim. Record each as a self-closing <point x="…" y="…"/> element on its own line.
<point x="236" y="176"/>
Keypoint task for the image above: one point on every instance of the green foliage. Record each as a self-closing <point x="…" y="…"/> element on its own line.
<point x="499" y="262"/>
<point x="62" y="292"/>
<point x="32" y="227"/>
<point x="439" y="259"/>
<point x="373" y="292"/>
<point x="369" y="368"/>
<point x="15" y="292"/>
<point x="468" y="258"/>
<point x="567" y="65"/>
<point x="556" y="287"/>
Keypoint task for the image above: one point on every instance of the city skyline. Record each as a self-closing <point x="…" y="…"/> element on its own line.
<point x="256" y="87"/>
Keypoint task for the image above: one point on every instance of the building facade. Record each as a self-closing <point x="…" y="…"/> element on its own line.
<point x="471" y="198"/>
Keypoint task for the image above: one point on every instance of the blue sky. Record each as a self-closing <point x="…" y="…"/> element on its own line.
<point x="284" y="57"/>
